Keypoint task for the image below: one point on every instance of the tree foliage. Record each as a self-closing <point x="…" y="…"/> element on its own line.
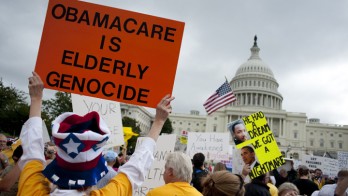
<point x="54" y="107"/>
<point x="14" y="109"/>
<point x="167" y="127"/>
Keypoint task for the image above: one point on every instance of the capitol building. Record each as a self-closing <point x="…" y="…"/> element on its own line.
<point x="256" y="89"/>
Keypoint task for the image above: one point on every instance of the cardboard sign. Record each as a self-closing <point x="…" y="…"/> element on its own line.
<point x="237" y="162"/>
<point x="342" y="160"/>
<point x="108" y="53"/>
<point x="154" y="178"/>
<point x="328" y="166"/>
<point x="331" y="167"/>
<point x="45" y="136"/>
<point x="214" y="146"/>
<point x="287" y="165"/>
<point x="110" y="111"/>
<point x="264" y="144"/>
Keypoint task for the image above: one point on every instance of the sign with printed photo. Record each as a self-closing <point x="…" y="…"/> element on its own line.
<point x="259" y="149"/>
<point x="238" y="131"/>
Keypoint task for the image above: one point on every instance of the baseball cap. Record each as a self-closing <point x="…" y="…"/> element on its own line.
<point x="110" y="156"/>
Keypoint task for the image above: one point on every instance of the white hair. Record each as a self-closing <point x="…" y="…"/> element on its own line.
<point x="181" y="165"/>
<point x="3" y="136"/>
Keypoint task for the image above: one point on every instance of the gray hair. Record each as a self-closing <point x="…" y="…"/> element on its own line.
<point x="287" y="186"/>
<point x="181" y="165"/>
<point x="2" y="135"/>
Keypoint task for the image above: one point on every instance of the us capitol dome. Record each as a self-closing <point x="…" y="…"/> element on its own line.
<point x="254" y="83"/>
<point x="256" y="89"/>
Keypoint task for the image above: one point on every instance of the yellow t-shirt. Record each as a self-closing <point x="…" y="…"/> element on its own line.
<point x="33" y="182"/>
<point x="176" y="188"/>
<point x="320" y="183"/>
<point x="272" y="189"/>
<point x="9" y="151"/>
<point x="119" y="185"/>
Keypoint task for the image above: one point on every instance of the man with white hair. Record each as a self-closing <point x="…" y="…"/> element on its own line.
<point x="3" y="142"/>
<point x="177" y="176"/>
<point x="4" y="162"/>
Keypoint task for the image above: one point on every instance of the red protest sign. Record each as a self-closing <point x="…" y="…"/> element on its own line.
<point x="108" y="53"/>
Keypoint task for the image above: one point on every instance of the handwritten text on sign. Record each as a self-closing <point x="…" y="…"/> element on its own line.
<point x="264" y="144"/>
<point x="213" y="145"/>
<point x="342" y="158"/>
<point x="110" y="111"/>
<point x="327" y="165"/>
<point x="154" y="178"/>
<point x="108" y="53"/>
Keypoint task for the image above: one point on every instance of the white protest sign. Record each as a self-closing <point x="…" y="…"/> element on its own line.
<point x="313" y="162"/>
<point x="342" y="160"/>
<point x="213" y="145"/>
<point x="237" y="161"/>
<point x="154" y="178"/>
<point x="110" y="111"/>
<point x="287" y="165"/>
<point x="331" y="167"/>
<point x="45" y="136"/>
<point x="297" y="163"/>
<point x="328" y="166"/>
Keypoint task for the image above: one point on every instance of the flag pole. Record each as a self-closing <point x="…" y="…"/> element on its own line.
<point x="228" y="82"/>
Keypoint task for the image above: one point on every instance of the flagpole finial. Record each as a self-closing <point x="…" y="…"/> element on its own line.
<point x="255" y="41"/>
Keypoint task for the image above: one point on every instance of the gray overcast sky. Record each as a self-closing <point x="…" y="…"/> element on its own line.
<point x="305" y="43"/>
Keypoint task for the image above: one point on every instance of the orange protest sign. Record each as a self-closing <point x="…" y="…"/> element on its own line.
<point x="108" y="53"/>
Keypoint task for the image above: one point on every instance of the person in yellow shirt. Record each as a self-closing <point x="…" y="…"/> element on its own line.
<point x="5" y="152"/>
<point x="318" y="178"/>
<point x="272" y="188"/>
<point x="177" y="177"/>
<point x="79" y="164"/>
<point x="3" y="142"/>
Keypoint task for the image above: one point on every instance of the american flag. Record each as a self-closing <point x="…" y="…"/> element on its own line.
<point x="221" y="97"/>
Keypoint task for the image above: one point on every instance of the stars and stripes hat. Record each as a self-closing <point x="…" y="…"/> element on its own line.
<point x="80" y="139"/>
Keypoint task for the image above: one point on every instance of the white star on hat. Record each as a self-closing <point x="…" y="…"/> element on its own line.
<point x="72" y="146"/>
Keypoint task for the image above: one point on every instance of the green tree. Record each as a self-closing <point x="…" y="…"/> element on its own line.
<point x="167" y="127"/>
<point x="54" y="107"/>
<point x="14" y="109"/>
<point x="130" y="122"/>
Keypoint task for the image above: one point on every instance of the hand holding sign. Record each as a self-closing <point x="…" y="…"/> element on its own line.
<point x="263" y="143"/>
<point x="246" y="170"/>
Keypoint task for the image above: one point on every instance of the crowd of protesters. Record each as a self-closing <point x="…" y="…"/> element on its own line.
<point x="74" y="163"/>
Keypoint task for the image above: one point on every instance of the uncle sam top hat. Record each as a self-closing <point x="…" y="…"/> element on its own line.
<point x="79" y="162"/>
